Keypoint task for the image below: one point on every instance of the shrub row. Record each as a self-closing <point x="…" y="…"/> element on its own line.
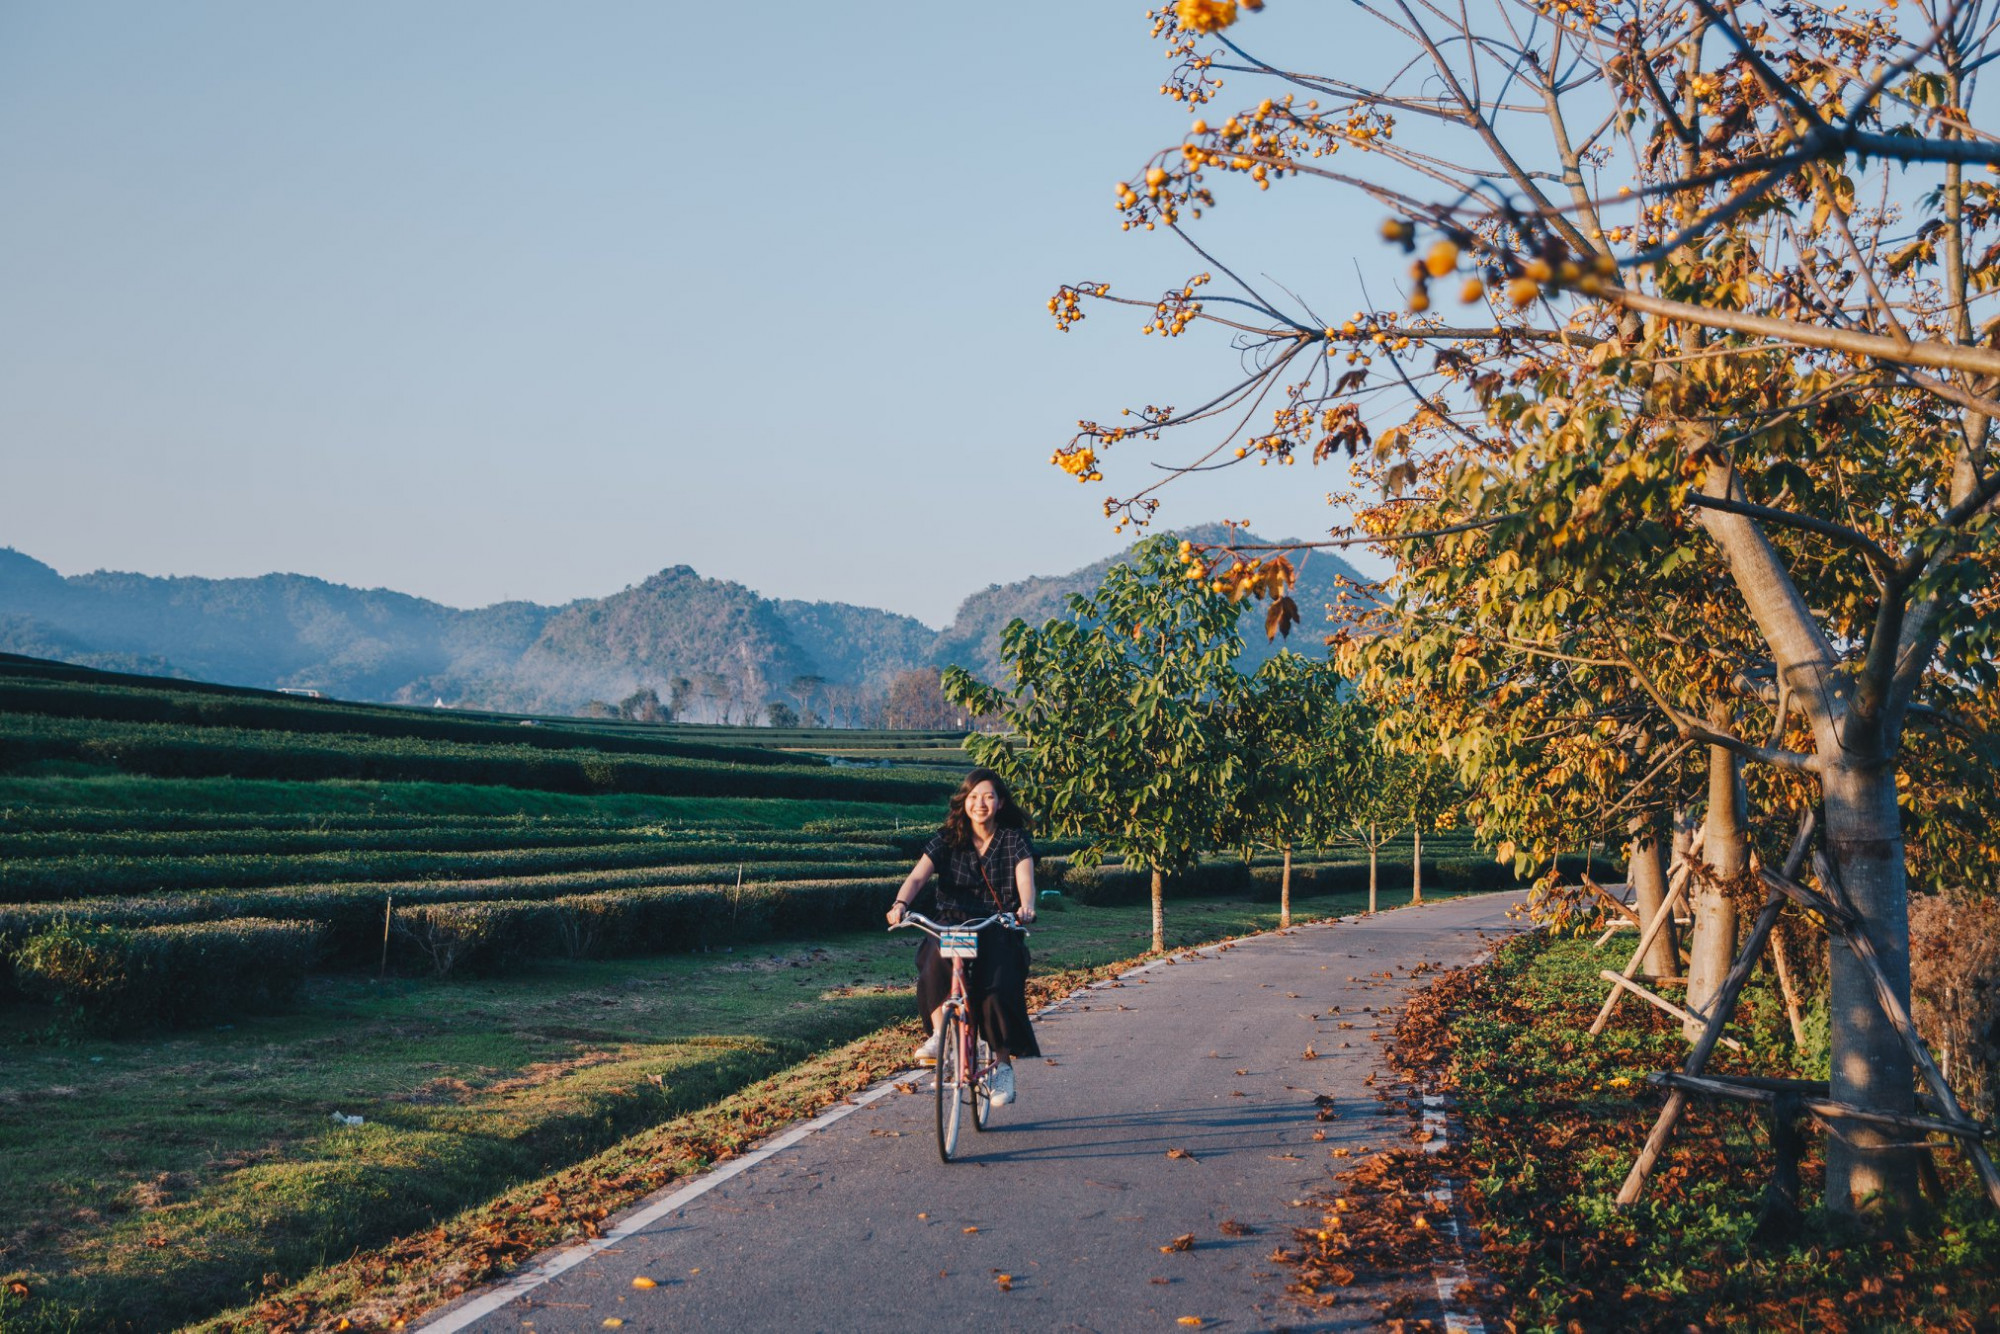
<point x="170" y="704"/>
<point x="300" y="842"/>
<point x="443" y="938"/>
<point x="183" y="752"/>
<point x="352" y="914"/>
<point x="111" y="979"/>
<point x="76" y="820"/>
<point x="69" y="878"/>
<point x="439" y="838"/>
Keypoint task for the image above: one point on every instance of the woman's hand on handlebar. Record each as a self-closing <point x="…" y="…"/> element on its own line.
<point x="896" y="912"/>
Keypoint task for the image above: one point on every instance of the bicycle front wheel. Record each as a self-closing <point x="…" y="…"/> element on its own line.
<point x="982" y="1092"/>
<point x="951" y="1079"/>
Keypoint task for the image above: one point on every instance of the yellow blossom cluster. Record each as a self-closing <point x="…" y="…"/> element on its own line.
<point x="1241" y="578"/>
<point x="1173" y="312"/>
<point x="1067" y="304"/>
<point x="1079" y="461"/>
<point x="1211" y="15"/>
<point x="1572" y="14"/>
<point x="1523" y="282"/>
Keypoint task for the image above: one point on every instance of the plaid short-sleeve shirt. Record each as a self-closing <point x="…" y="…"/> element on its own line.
<point x="963" y="874"/>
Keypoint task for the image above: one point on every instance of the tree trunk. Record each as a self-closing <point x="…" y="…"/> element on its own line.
<point x="1871" y="1068"/>
<point x="1417" y="864"/>
<point x="1159" y="915"/>
<point x="1726" y="851"/>
<point x="1374" y="853"/>
<point x="1647" y="870"/>
<point x="1285" y="891"/>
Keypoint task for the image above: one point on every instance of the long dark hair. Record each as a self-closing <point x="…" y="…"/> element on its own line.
<point x="957" y="829"/>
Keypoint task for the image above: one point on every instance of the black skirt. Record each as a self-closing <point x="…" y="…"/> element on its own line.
<point x="996" y="985"/>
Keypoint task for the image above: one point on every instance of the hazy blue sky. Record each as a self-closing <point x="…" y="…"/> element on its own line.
<point x="497" y="300"/>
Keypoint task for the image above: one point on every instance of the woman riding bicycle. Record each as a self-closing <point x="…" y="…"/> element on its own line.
<point x="984" y="864"/>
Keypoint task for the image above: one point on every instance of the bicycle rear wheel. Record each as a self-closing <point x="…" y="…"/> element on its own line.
<point x="982" y="1093"/>
<point x="951" y="1078"/>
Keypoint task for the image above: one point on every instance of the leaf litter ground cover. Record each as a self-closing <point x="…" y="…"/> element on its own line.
<point x="157" y="1182"/>
<point x="1550" y="1121"/>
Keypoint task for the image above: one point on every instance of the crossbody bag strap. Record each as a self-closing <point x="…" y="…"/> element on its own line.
<point x="991" y="892"/>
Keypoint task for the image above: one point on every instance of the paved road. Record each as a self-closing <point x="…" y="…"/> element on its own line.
<point x="858" y="1226"/>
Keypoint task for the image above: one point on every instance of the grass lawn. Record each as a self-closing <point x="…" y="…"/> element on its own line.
<point x="156" y="1181"/>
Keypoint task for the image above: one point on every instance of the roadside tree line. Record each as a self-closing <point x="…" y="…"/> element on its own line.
<point x="1128" y="725"/>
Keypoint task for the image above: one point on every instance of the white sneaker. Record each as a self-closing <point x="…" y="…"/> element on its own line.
<point x="1000" y="1085"/>
<point x="927" y="1051"/>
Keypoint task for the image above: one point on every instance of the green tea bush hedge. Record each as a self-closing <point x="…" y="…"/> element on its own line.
<point x="116" y="980"/>
<point x="112" y="703"/>
<point x="351" y="915"/>
<point x="447" y="938"/>
<point x="51" y="879"/>
<point x="175" y="751"/>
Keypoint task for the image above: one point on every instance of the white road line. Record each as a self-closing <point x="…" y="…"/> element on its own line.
<point x="1451" y="1272"/>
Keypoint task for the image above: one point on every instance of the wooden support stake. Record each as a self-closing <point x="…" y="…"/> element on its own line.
<point x="1676" y="886"/>
<point x="1899" y="1019"/>
<point x="1612" y="900"/>
<point x="1830" y="912"/>
<point x="1724" y="1006"/>
<point x="1783" y="968"/>
<point x="1812" y="1098"/>
<point x="388" y="909"/>
<point x="1663" y="1003"/>
<point x="1779" y="1215"/>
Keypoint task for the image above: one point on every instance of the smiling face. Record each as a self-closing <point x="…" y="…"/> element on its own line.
<point x="982" y="803"/>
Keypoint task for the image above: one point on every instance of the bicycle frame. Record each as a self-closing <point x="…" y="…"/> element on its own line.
<point x="965" y="1063"/>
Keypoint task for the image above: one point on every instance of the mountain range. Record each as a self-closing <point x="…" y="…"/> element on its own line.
<point x="716" y="649"/>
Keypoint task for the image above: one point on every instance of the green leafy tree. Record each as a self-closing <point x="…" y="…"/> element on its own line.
<point x="1120" y="727"/>
<point x="1392" y="790"/>
<point x="1298" y="745"/>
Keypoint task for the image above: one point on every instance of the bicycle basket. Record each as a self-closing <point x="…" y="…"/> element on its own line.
<point x="953" y="944"/>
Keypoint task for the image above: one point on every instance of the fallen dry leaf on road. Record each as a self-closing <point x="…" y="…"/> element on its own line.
<point x="1184" y="1242"/>
<point x="903" y="1086"/>
<point x="1188" y="1320"/>
<point x="1182" y="1153"/>
<point x="643" y="1282"/>
<point x="1006" y="1282"/>
<point x="1318" y="1135"/>
<point x="969" y="1231"/>
<point x="1310" y="1054"/>
<point x="1232" y="1228"/>
<point x="1242" y="1072"/>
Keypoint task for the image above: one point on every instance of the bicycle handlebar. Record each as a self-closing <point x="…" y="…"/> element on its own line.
<point x="930" y="928"/>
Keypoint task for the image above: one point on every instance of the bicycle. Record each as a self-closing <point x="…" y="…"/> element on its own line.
<point x="964" y="1062"/>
